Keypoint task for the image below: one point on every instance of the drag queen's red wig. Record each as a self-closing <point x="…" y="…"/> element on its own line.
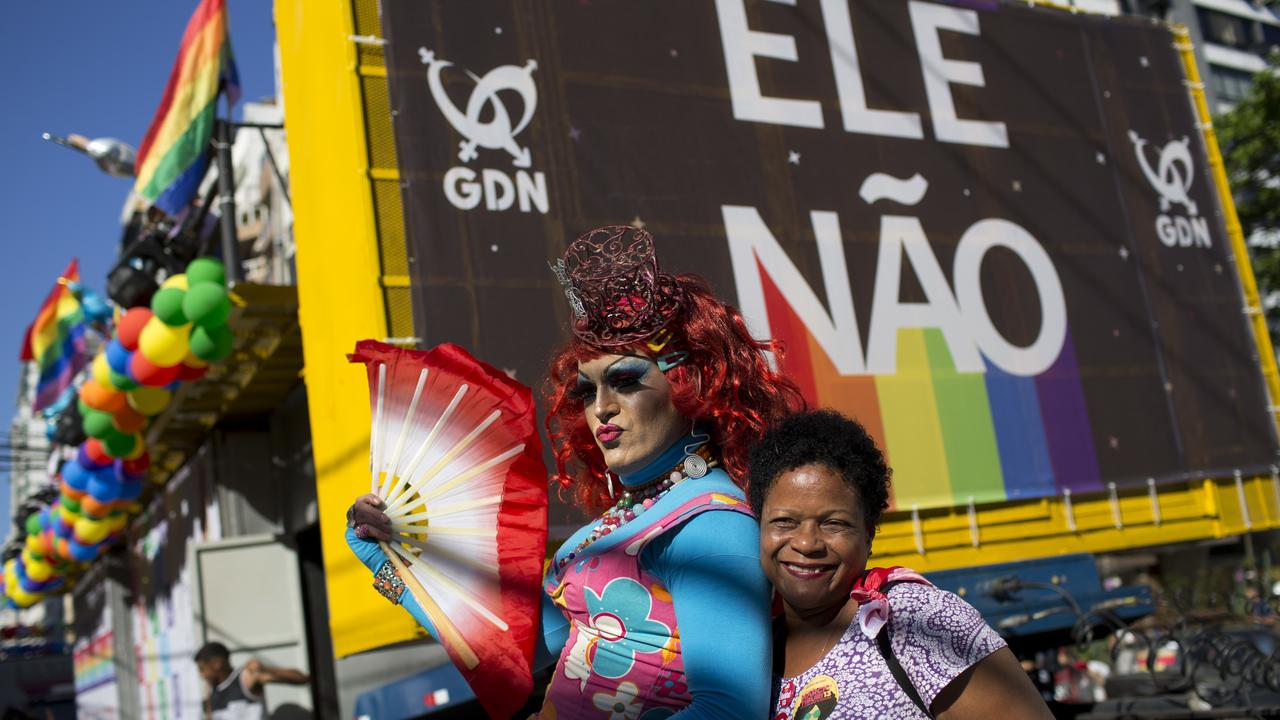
<point x="722" y="379"/>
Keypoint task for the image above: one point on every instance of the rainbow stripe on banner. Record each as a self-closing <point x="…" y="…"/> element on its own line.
<point x="173" y="156"/>
<point x="55" y="339"/>
<point x="952" y="437"/>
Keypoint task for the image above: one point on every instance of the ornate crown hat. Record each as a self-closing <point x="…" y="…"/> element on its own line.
<point x="619" y="297"/>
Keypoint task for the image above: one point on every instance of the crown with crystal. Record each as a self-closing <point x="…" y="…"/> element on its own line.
<point x="611" y="278"/>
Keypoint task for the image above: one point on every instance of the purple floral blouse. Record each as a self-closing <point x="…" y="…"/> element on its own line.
<point x="936" y="637"/>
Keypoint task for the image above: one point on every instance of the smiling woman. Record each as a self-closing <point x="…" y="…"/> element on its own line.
<point x="853" y="642"/>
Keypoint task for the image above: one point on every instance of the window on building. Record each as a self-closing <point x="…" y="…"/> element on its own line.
<point x="1225" y="29"/>
<point x="1230" y="85"/>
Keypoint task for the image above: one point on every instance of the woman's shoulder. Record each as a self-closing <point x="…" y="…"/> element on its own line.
<point x="936" y="634"/>
<point x="911" y="603"/>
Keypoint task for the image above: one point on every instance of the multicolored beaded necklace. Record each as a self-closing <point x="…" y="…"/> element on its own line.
<point x="635" y="500"/>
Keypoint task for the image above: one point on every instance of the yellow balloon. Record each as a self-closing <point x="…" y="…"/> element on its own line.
<point x="89" y="532"/>
<point x="178" y="281"/>
<point x="32" y="544"/>
<point x="22" y="598"/>
<point x="102" y="371"/>
<point x="39" y="571"/>
<point x="194" y="362"/>
<point x="68" y="517"/>
<point x="149" y="400"/>
<point x="116" y="522"/>
<point x="163" y="345"/>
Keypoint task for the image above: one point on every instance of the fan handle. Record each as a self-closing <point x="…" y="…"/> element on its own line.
<point x="448" y="632"/>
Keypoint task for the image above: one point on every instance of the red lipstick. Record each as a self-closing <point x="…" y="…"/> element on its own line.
<point x="608" y="432"/>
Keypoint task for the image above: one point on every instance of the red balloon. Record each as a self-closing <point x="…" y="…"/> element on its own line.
<point x="127" y="420"/>
<point x="130" y="326"/>
<point x="188" y="373"/>
<point x="150" y="374"/>
<point x="98" y="454"/>
<point x="138" y="465"/>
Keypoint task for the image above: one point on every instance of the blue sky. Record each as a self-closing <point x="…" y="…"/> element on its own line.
<point x="98" y="69"/>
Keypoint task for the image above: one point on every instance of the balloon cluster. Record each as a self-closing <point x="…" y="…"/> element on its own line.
<point x="152" y="351"/>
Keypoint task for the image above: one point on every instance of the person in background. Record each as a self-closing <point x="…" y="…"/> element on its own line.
<point x="236" y="694"/>
<point x="854" y="642"/>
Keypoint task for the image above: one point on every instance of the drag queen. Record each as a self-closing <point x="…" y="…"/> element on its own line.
<point x="658" y="607"/>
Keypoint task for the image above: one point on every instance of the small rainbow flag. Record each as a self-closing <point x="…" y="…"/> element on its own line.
<point x="55" y="339"/>
<point x="174" y="153"/>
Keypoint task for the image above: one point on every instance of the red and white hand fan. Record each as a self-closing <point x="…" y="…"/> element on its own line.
<point x="455" y="455"/>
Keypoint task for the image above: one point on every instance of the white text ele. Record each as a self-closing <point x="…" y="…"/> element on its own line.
<point x="742" y="46"/>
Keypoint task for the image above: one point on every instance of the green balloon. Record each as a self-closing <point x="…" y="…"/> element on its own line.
<point x="97" y="424"/>
<point x="206" y="304"/>
<point x="72" y="505"/>
<point x="33" y="524"/>
<point x="122" y="382"/>
<point x="206" y="270"/>
<point x="211" y="344"/>
<point x="118" y="444"/>
<point x="83" y="407"/>
<point x="167" y="305"/>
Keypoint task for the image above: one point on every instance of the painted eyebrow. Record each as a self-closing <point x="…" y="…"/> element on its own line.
<point x="627" y="362"/>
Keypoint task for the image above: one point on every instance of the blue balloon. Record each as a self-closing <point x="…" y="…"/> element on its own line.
<point x="118" y="357"/>
<point x="74" y="474"/>
<point x="83" y="553"/>
<point x="104" y="489"/>
<point x="173" y="386"/>
<point x="130" y="490"/>
<point x="130" y="374"/>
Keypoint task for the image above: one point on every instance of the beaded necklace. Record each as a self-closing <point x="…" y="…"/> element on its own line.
<point x="635" y="500"/>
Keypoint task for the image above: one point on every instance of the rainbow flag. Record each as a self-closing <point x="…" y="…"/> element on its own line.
<point x="174" y="153"/>
<point x="55" y="340"/>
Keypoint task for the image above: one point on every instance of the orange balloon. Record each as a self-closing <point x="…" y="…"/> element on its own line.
<point x="89" y="505"/>
<point x="70" y="492"/>
<point x="127" y="420"/>
<point x="108" y="400"/>
<point x="63" y="550"/>
<point x="46" y="543"/>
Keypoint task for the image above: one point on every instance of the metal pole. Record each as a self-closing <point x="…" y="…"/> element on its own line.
<point x="227" y="199"/>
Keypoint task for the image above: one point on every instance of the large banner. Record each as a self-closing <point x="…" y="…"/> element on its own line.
<point x="987" y="231"/>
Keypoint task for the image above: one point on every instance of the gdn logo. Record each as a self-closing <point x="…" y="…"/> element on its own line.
<point x="1171" y="177"/>
<point x="488" y="99"/>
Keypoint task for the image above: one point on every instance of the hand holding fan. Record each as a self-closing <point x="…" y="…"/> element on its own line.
<point x="455" y="457"/>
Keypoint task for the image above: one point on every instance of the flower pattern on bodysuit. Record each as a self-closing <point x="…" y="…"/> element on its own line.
<point x="936" y="637"/>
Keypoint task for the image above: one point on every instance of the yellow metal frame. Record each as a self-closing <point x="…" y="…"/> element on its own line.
<point x="339" y="294"/>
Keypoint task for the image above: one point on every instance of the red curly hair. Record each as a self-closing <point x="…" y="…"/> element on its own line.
<point x="725" y="385"/>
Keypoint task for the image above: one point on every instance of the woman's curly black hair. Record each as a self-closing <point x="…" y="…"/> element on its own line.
<point x="824" y="437"/>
